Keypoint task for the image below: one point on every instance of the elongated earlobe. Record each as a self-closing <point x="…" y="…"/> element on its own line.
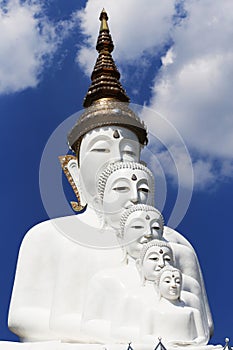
<point x="70" y="167"/>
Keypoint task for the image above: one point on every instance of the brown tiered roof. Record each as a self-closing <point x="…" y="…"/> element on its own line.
<point x="105" y="76"/>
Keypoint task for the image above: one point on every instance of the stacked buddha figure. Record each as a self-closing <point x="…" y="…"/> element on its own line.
<point x="86" y="277"/>
<point x="116" y="296"/>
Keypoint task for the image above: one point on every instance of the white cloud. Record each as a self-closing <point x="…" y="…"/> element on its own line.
<point x="203" y="173"/>
<point x="28" y="40"/>
<point x="138" y="27"/>
<point x="194" y="90"/>
<point x="168" y="58"/>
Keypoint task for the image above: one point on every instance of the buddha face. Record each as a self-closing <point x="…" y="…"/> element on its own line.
<point x="124" y="188"/>
<point x="154" y="260"/>
<point x="101" y="147"/>
<point x="140" y="228"/>
<point x="170" y="284"/>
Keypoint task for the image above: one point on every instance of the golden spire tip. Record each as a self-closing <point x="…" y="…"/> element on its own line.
<point x="103" y="18"/>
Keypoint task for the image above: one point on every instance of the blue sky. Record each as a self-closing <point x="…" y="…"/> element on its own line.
<point x="175" y="57"/>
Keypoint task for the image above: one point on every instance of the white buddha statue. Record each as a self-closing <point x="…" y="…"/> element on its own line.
<point x="115" y="296"/>
<point x="111" y="288"/>
<point x="58" y="258"/>
<point x="184" y="260"/>
<point x="172" y="320"/>
<point x="155" y="257"/>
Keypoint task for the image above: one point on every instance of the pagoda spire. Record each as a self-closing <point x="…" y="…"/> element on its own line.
<point x="105" y="76"/>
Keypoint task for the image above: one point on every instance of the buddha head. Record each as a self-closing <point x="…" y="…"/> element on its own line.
<point x="154" y="256"/>
<point x="122" y="185"/>
<point x="107" y="132"/>
<point x="140" y="224"/>
<point x="169" y="283"/>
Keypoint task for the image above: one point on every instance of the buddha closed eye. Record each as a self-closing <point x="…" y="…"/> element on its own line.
<point x="131" y="153"/>
<point x="155" y="226"/>
<point x="154" y="258"/>
<point x="101" y="150"/>
<point x="167" y="257"/>
<point x="122" y="189"/>
<point x="137" y="227"/>
<point x="101" y="146"/>
<point x="144" y="189"/>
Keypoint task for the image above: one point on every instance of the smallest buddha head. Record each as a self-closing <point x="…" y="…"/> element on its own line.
<point x="139" y="225"/>
<point x="122" y="185"/>
<point x="154" y="256"/>
<point x="169" y="283"/>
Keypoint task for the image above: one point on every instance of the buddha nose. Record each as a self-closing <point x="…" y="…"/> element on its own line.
<point x="161" y="262"/>
<point x="134" y="196"/>
<point x="173" y="284"/>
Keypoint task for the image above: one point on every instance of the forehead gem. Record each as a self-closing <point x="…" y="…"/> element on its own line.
<point x="116" y="134"/>
<point x="134" y="177"/>
<point x="161" y="251"/>
<point x="147" y="217"/>
<point x="173" y="276"/>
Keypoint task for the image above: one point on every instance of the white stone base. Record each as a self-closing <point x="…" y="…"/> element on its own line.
<point x="56" y="345"/>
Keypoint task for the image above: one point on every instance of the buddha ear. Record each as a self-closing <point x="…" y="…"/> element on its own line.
<point x="74" y="171"/>
<point x="70" y="167"/>
<point x="98" y="204"/>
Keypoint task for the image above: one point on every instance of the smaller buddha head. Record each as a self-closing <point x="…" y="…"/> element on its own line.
<point x="140" y="224"/>
<point x="155" y="255"/>
<point x="122" y="185"/>
<point x="169" y="283"/>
